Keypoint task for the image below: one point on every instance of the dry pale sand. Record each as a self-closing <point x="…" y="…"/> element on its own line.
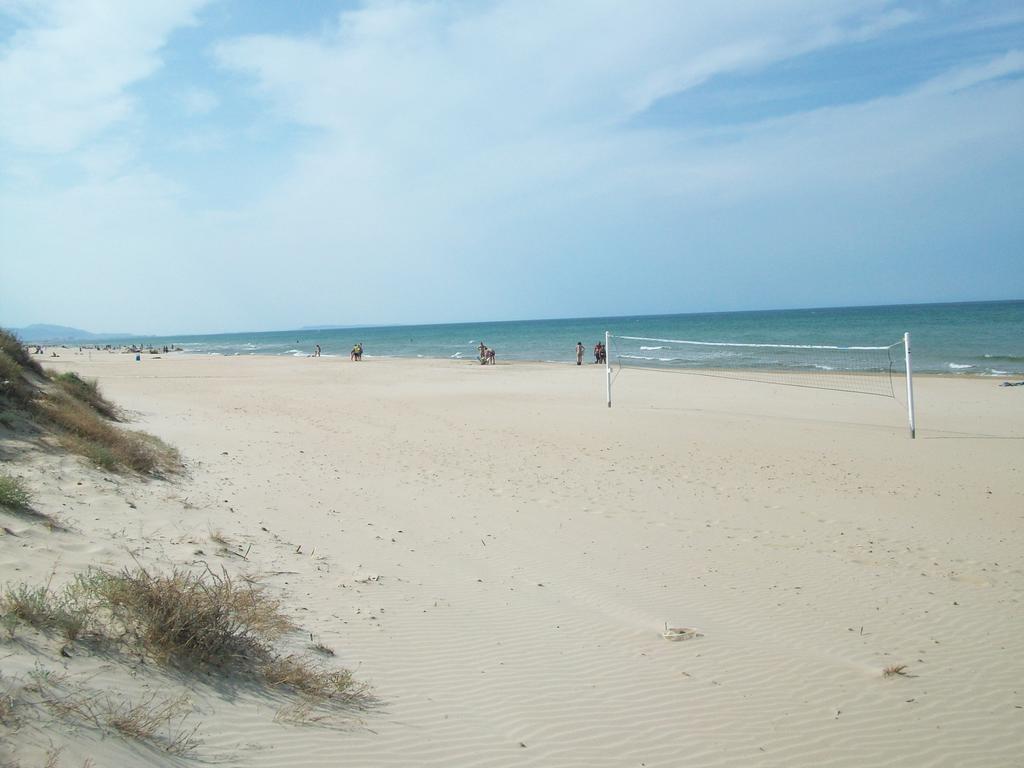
<point x="497" y="554"/>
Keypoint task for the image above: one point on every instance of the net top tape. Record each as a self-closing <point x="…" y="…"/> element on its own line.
<point x="758" y="346"/>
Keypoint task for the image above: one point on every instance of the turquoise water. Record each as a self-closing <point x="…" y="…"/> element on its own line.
<point x="985" y="338"/>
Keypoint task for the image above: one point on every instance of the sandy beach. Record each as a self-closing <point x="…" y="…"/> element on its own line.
<point x="497" y="554"/>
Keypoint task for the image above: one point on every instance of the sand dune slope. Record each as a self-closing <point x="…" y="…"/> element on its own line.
<point x="498" y="555"/>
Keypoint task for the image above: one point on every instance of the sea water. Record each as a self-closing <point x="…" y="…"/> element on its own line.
<point x="979" y="338"/>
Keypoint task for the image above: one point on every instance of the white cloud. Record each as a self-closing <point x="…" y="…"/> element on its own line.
<point x="452" y="142"/>
<point x="1012" y="63"/>
<point x="63" y="78"/>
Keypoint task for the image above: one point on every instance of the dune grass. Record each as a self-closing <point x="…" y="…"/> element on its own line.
<point x="185" y="619"/>
<point x="14" y="387"/>
<point x="87" y="432"/>
<point x="62" y="612"/>
<point x="11" y="346"/>
<point x="206" y="619"/>
<point x="86" y="391"/>
<point x="76" y="410"/>
<point x="154" y="720"/>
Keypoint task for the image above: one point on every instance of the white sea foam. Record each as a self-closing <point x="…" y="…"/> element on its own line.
<point x="456" y="356"/>
<point x="651" y="349"/>
<point x="958" y="367"/>
<point x="824" y="367"/>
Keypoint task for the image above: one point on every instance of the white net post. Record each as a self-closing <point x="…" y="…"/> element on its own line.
<point x="910" y="384"/>
<point x="608" y="366"/>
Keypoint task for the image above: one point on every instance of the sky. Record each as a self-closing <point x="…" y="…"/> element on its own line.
<point x="216" y="165"/>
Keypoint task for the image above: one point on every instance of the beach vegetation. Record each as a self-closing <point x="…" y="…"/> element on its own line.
<point x="896" y="670"/>
<point x="85" y="431"/>
<point x="13" y="493"/>
<point x="322" y="648"/>
<point x="87" y="391"/>
<point x="305" y="676"/>
<point x="154" y="720"/>
<point x="147" y="719"/>
<point x="45" y="610"/>
<point x="12" y="347"/>
<point x="14" y="388"/>
<point x="206" y="619"/>
<point x="185" y="619"/>
<point x="74" y="408"/>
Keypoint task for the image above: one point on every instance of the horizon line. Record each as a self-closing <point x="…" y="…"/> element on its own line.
<point x="375" y="326"/>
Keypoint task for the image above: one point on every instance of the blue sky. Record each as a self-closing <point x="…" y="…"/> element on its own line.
<point x="197" y="166"/>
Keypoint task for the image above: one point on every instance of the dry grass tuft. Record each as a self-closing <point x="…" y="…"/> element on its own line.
<point x="87" y="391"/>
<point x="75" y="409"/>
<point x="147" y="720"/>
<point x="322" y="648"/>
<point x="184" y="617"/>
<point x="88" y="433"/>
<point x="187" y="619"/>
<point x="8" y="716"/>
<point x="304" y="676"/>
<point x="895" y="670"/>
<point x="44" y="610"/>
<point x="11" y="346"/>
<point x="154" y="720"/>
<point x="14" y="387"/>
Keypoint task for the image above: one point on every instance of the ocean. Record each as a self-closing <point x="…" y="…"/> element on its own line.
<point x="979" y="338"/>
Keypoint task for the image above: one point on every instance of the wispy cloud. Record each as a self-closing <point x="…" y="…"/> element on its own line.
<point x="428" y="145"/>
<point x="63" y="78"/>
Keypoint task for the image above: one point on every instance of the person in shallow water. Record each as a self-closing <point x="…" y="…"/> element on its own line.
<point x="579" y="353"/>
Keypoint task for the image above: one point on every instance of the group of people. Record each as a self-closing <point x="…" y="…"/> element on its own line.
<point x="486" y="354"/>
<point x="600" y="353"/>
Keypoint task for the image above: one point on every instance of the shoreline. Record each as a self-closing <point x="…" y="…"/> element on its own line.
<point x="522" y="361"/>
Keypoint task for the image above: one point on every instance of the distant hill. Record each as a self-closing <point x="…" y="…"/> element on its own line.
<point x="44" y="332"/>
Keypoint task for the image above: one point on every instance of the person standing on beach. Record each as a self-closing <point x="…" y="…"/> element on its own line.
<point x="579" y="353"/>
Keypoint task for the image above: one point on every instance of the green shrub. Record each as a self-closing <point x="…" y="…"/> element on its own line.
<point x="13" y="493"/>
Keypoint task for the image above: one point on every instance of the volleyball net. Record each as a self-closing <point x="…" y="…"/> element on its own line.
<point x="883" y="370"/>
